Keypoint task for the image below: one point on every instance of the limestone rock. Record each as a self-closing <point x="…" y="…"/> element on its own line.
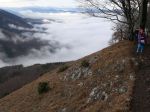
<point x="77" y="73"/>
<point x="97" y="94"/>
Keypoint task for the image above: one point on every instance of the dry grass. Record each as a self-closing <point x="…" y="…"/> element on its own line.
<point x="68" y="94"/>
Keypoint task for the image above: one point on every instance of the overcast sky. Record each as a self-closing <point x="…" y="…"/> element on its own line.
<point x="42" y="3"/>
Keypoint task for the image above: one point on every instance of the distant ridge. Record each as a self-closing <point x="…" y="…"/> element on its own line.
<point x="7" y="18"/>
<point x="47" y="9"/>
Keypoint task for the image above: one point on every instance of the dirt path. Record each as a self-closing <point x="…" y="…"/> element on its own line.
<point x="141" y="95"/>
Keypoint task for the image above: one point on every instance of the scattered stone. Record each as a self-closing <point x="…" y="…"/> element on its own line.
<point x="132" y="77"/>
<point x="77" y="73"/>
<point x="123" y="90"/>
<point x="65" y="77"/>
<point x="80" y="84"/>
<point x="123" y="61"/>
<point x="116" y="77"/>
<point x="107" y="85"/>
<point x="97" y="94"/>
<point x="94" y="91"/>
<point x="63" y="110"/>
<point x="86" y="72"/>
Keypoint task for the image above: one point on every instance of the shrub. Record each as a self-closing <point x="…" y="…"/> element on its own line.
<point x="63" y="68"/>
<point x="43" y="87"/>
<point x="5" y="94"/>
<point x="46" y="66"/>
<point x="85" y="63"/>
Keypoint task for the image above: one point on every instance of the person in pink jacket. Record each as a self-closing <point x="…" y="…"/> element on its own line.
<point x="141" y="41"/>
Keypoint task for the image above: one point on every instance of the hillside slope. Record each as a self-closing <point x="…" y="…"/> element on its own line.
<point x="14" y="77"/>
<point x="105" y="85"/>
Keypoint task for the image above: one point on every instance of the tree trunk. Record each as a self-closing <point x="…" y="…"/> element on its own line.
<point x="131" y="33"/>
<point x="144" y="14"/>
<point x="148" y="19"/>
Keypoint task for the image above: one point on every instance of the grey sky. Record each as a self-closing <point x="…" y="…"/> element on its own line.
<point x="42" y="3"/>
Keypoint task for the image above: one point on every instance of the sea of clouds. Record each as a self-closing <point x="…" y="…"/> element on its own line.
<point x="71" y="36"/>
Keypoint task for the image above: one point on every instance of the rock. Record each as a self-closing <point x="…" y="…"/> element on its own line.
<point x="116" y="77"/>
<point x="123" y="90"/>
<point x="87" y="72"/>
<point x="132" y="77"/>
<point x="80" y="84"/>
<point x="65" y="77"/>
<point x="94" y="91"/>
<point x="104" y="96"/>
<point x="73" y="74"/>
<point x="64" y="110"/>
<point x="107" y="85"/>
<point x="77" y="73"/>
<point x="97" y="94"/>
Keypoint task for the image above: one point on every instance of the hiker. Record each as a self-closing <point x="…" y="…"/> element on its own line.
<point x="141" y="41"/>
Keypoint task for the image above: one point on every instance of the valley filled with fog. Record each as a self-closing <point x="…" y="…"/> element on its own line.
<point x="70" y="36"/>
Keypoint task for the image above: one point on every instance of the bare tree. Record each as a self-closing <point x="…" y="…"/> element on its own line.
<point x="144" y="13"/>
<point x="122" y="11"/>
<point x="120" y="33"/>
<point x="148" y="19"/>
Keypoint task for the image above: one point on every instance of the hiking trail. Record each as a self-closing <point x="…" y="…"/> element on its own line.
<point x="141" y="93"/>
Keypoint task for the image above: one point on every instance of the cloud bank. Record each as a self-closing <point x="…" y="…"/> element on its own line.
<point x="72" y="36"/>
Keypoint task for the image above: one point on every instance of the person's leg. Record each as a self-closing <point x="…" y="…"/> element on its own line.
<point x="142" y="48"/>
<point x="138" y="48"/>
